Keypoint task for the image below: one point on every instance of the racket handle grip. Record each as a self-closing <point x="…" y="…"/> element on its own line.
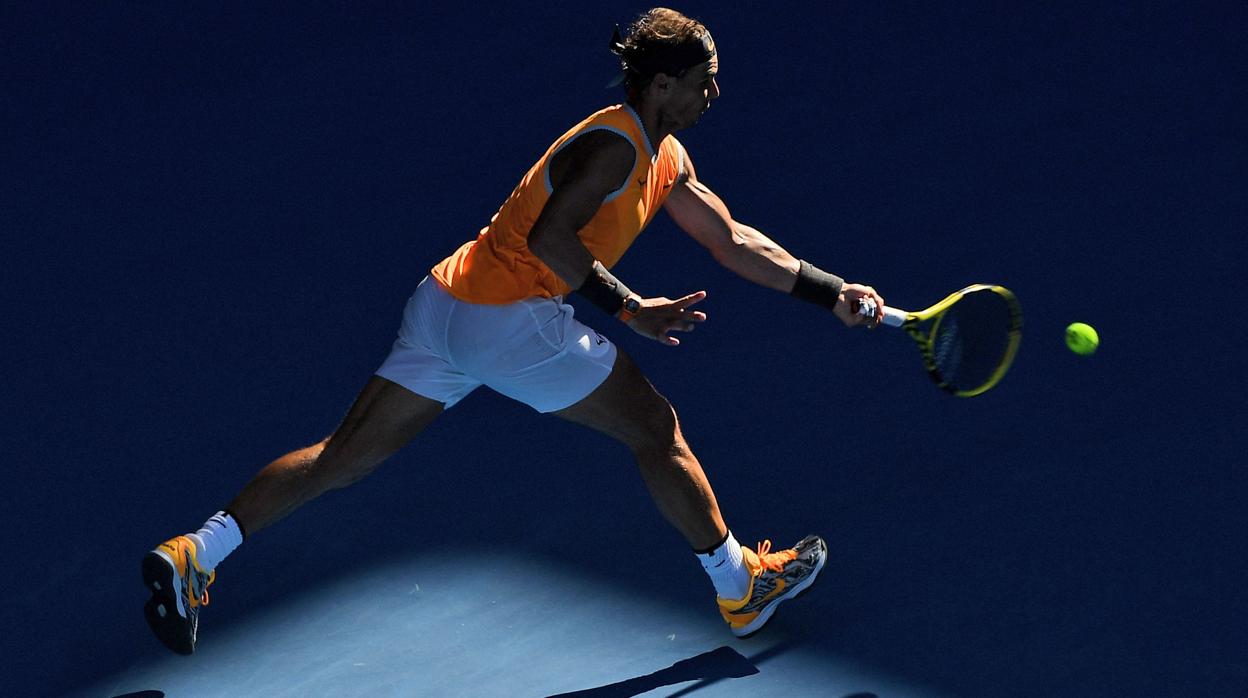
<point x="892" y="316"/>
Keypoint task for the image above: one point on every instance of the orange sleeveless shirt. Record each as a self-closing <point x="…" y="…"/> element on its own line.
<point x="497" y="267"/>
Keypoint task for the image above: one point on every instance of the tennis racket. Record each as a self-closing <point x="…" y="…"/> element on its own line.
<point x="967" y="340"/>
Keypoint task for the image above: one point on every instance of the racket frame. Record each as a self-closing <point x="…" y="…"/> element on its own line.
<point x="924" y="337"/>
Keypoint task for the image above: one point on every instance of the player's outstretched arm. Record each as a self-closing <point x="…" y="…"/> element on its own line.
<point x="752" y="255"/>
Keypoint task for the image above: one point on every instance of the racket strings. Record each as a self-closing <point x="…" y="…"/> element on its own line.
<point x="971" y="341"/>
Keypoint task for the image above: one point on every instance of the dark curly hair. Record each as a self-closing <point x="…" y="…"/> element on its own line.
<point x="660" y="41"/>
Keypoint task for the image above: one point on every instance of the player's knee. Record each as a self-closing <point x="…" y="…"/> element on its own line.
<point x="660" y="432"/>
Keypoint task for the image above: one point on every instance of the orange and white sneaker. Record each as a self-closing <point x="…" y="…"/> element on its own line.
<point x="774" y="577"/>
<point x="179" y="588"/>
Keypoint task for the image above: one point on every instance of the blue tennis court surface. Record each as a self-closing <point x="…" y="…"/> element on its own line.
<point x="211" y="216"/>
<point x="511" y="627"/>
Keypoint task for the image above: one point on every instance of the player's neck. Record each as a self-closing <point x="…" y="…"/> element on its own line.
<point x="657" y="128"/>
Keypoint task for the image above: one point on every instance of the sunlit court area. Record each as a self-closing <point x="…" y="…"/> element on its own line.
<point x="214" y="217"/>
<point x="369" y="634"/>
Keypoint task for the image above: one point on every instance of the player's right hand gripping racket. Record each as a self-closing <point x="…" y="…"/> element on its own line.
<point x="967" y="340"/>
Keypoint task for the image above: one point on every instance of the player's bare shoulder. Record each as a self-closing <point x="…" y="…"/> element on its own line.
<point x="598" y="153"/>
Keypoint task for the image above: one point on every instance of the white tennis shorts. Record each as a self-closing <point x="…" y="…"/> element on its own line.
<point x="533" y="350"/>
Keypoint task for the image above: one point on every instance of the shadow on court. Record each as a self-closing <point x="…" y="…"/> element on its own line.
<point x="706" y="668"/>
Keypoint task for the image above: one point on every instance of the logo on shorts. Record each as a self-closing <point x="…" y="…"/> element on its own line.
<point x="600" y="338"/>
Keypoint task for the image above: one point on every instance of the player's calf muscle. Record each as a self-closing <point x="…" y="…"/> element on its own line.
<point x="337" y="474"/>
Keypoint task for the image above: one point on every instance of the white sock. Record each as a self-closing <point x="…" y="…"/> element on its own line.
<point x="726" y="569"/>
<point x="218" y="538"/>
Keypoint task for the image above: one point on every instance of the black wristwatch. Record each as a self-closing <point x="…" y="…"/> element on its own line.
<point x="632" y="306"/>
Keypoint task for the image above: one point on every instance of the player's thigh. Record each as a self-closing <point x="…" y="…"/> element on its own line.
<point x="625" y="406"/>
<point x="383" y="418"/>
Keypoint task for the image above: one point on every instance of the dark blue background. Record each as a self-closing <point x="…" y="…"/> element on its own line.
<point x="212" y="217"/>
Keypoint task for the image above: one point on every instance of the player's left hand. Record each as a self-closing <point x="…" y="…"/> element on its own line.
<point x="661" y="316"/>
<point x="847" y="306"/>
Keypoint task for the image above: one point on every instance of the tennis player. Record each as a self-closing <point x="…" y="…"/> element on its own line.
<point x="494" y="313"/>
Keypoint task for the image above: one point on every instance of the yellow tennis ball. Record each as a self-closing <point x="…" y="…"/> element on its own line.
<point x="1082" y="339"/>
